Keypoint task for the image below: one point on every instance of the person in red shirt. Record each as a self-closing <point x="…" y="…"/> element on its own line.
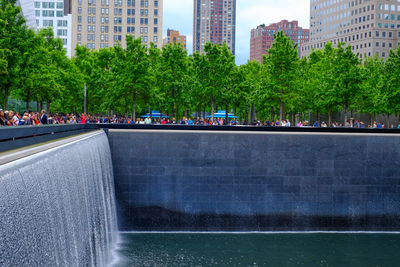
<point x="83" y="118"/>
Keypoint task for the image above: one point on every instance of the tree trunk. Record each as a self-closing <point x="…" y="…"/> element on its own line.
<point x="6" y="93"/>
<point x="226" y="115"/>
<point x="212" y="107"/>
<point x="134" y="106"/>
<point x="85" y="99"/>
<point x="48" y="106"/>
<point x="173" y="105"/>
<point x="37" y="106"/>
<point x="318" y="116"/>
<point x="272" y="115"/>
<point x="329" y="117"/>
<point x="388" y="121"/>
<point x="250" y="112"/>
<point x="28" y="99"/>
<point x="151" y="113"/>
<point x="398" y="120"/>
<point x="370" y="119"/>
<point x="345" y="115"/>
<point x="199" y="111"/>
<point x="281" y="110"/>
<point x="253" y="112"/>
<point x="293" y="119"/>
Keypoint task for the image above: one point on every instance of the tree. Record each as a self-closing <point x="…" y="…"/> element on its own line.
<point x="173" y="67"/>
<point x="392" y="87"/>
<point x="252" y="88"/>
<point x="324" y="94"/>
<point x="217" y="66"/>
<point x="372" y="98"/>
<point x="85" y="61"/>
<point x="131" y="68"/>
<point x="282" y="62"/>
<point x="14" y="36"/>
<point x="347" y="74"/>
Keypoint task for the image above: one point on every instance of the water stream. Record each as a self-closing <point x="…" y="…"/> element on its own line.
<point x="57" y="207"/>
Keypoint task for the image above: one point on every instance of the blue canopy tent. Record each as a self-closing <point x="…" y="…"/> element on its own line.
<point x="154" y="114"/>
<point x="222" y="114"/>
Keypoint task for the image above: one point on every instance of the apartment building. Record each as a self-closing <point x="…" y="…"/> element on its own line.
<point x="104" y="23"/>
<point x="28" y="12"/>
<point x="262" y="37"/>
<point x="215" y="22"/>
<point x="372" y="27"/>
<point x="55" y="14"/>
<point x="174" y="37"/>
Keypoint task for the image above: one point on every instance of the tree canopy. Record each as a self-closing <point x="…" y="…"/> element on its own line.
<point x="132" y="78"/>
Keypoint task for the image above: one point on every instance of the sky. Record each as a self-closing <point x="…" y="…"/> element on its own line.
<point x="178" y="15"/>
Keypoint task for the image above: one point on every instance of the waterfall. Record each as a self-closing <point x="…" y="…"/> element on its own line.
<point x="57" y="207"/>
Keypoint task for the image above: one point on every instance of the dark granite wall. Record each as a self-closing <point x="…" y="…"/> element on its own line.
<point x="212" y="181"/>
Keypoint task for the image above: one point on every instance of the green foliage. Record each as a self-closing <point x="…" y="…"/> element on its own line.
<point x="172" y="72"/>
<point x="14" y="39"/>
<point x="34" y="68"/>
<point x="282" y="62"/>
<point x="131" y="68"/>
<point x="3" y="61"/>
<point x="391" y="89"/>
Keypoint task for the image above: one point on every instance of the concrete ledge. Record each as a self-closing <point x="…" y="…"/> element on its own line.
<point x="22" y="136"/>
<point x="246" y="129"/>
<point x="16" y="154"/>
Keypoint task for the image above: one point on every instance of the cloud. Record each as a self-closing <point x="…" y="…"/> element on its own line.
<point x="178" y="14"/>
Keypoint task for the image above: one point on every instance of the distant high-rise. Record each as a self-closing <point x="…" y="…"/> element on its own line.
<point x="215" y="22"/>
<point x="28" y="12"/>
<point x="104" y="23"/>
<point x="174" y="37"/>
<point x="262" y="37"/>
<point x="55" y="14"/>
<point x="371" y="27"/>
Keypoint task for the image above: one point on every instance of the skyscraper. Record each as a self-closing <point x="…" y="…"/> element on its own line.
<point x="173" y="37"/>
<point x="104" y="23"/>
<point x="55" y="14"/>
<point x="262" y="37"/>
<point x="28" y="12"/>
<point x="370" y="26"/>
<point x="215" y="22"/>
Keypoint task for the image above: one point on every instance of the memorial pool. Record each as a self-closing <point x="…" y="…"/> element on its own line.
<point x="258" y="249"/>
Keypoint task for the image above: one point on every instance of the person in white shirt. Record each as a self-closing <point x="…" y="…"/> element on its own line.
<point x="147" y="120"/>
<point x="16" y="119"/>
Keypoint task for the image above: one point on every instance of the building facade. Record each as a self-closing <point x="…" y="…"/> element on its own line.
<point x="55" y="14"/>
<point x="105" y="23"/>
<point x="173" y="37"/>
<point x="262" y="37"/>
<point x="215" y="22"/>
<point x="371" y="27"/>
<point x="28" y="12"/>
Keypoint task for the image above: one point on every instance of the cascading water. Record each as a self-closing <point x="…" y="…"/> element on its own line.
<point x="57" y="207"/>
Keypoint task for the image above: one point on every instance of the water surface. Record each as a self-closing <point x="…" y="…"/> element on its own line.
<point x="320" y="249"/>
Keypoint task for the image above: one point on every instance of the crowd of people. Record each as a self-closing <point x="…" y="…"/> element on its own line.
<point x="11" y="118"/>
